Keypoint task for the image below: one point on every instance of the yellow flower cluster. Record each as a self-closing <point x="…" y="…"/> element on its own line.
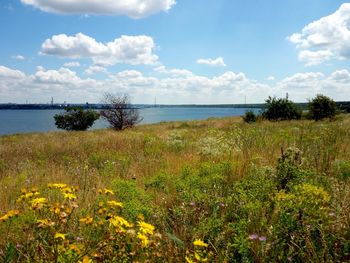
<point x="145" y="230"/>
<point x="25" y="194"/>
<point x="10" y="214"/>
<point x="56" y="223"/>
<point x="38" y="203"/>
<point x="199" y="254"/>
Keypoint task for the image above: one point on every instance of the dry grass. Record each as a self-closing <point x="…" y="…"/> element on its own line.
<point x="95" y="159"/>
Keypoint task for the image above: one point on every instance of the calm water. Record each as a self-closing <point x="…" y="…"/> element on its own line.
<point x="24" y="121"/>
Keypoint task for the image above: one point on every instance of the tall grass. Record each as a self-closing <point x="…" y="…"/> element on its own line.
<point x="259" y="192"/>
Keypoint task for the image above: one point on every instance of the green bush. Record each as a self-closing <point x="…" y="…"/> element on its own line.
<point x="76" y="119"/>
<point x="322" y="107"/>
<point x="281" y="109"/>
<point x="249" y="117"/>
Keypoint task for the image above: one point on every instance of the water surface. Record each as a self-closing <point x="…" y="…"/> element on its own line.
<point x="26" y="121"/>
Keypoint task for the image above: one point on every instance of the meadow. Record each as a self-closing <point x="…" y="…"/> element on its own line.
<point x="218" y="190"/>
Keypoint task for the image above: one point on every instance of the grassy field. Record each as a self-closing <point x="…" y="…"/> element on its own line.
<point x="217" y="190"/>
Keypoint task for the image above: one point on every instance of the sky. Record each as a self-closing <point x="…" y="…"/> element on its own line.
<point x="174" y="51"/>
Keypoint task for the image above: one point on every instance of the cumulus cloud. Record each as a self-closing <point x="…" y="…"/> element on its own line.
<point x="9" y="73"/>
<point x="95" y="69"/>
<point x="218" y="62"/>
<point x="134" y="50"/>
<point x="170" y="86"/>
<point x="131" y="8"/>
<point x="18" y="57"/>
<point x="71" y="64"/>
<point x="340" y="76"/>
<point x="325" y="39"/>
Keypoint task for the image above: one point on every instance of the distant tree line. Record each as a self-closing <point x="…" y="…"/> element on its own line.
<point x="280" y="109"/>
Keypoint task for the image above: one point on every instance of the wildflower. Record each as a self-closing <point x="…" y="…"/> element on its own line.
<point x="188" y="260"/>
<point x="38" y="203"/>
<point x="199" y="243"/>
<point x="197" y="256"/>
<point x="87" y="220"/>
<point x="119" y="222"/>
<point x="146" y="228"/>
<point x="26" y="195"/>
<point x="114" y="204"/>
<point x="86" y="259"/>
<point x="108" y="191"/>
<point x="253" y="236"/>
<point x="143" y="238"/>
<point x="44" y="223"/>
<point x="55" y="209"/>
<point x="262" y="238"/>
<point x="59" y="186"/>
<point x="10" y="214"/>
<point x="69" y="196"/>
<point x="60" y="236"/>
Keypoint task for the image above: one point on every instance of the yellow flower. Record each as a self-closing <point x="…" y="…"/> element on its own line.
<point x="199" y="243"/>
<point x="86" y="259"/>
<point x="106" y="191"/>
<point x="10" y="214"/>
<point x="4" y="218"/>
<point x="119" y="222"/>
<point x="38" y="203"/>
<point x="144" y="239"/>
<point x="69" y="196"/>
<point x="146" y="228"/>
<point x="44" y="223"/>
<point x="188" y="260"/>
<point x="87" y="220"/>
<point x="60" y="236"/>
<point x="115" y="204"/>
<point x="59" y="186"/>
<point x="27" y="196"/>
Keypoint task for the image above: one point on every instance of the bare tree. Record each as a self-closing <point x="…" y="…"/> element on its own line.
<point x="119" y="112"/>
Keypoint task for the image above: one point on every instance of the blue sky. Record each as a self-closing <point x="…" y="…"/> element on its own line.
<point x="193" y="51"/>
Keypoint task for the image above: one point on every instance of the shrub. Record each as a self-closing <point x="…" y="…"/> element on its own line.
<point x="249" y="117"/>
<point x="322" y="107"/>
<point x="76" y="119"/>
<point x="281" y="109"/>
<point x="119" y="113"/>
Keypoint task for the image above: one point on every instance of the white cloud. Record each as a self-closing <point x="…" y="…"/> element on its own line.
<point x="134" y="50"/>
<point x="18" y="57"/>
<point x="61" y="76"/>
<point x="95" y="69"/>
<point x="340" y="76"/>
<point x="271" y="78"/>
<point x="325" y="39"/>
<point x="6" y="72"/>
<point x="218" y="62"/>
<point x="311" y="58"/>
<point x="131" y="8"/>
<point x="71" y="64"/>
<point x="169" y="87"/>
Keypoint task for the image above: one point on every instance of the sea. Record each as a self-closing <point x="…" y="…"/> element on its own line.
<point x="29" y="121"/>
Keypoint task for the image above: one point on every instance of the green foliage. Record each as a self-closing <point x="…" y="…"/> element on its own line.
<point x="136" y="200"/>
<point x="322" y="107"/>
<point x="281" y="109"/>
<point x="288" y="169"/>
<point x="249" y="117"/>
<point x="300" y="223"/>
<point x="76" y="119"/>
<point x="342" y="169"/>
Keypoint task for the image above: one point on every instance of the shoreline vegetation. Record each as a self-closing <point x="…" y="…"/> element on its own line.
<point x="217" y="190"/>
<point x="341" y="105"/>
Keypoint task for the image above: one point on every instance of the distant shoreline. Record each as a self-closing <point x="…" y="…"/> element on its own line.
<point x="102" y="106"/>
<point x="13" y="106"/>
